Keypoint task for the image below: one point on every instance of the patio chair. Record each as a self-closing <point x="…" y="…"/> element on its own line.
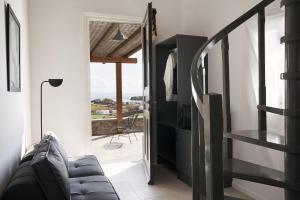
<point x="128" y="128"/>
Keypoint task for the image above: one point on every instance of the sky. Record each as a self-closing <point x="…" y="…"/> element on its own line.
<point x="103" y="79"/>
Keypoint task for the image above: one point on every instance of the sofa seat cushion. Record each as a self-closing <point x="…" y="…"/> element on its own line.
<point x="23" y="185"/>
<point x="92" y="188"/>
<point x="84" y="166"/>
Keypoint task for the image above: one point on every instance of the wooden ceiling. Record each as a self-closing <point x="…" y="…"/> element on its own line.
<point x="104" y="49"/>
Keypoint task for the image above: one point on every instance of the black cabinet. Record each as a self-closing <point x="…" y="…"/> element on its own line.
<point x="183" y="155"/>
<point x="173" y="117"/>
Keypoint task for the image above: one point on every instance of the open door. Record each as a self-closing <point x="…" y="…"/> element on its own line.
<point x="148" y="93"/>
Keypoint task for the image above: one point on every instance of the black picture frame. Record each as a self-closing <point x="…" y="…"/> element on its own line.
<point x="13" y="51"/>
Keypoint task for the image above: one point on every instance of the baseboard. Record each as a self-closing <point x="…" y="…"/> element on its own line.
<point x="186" y="179"/>
<point x="247" y="192"/>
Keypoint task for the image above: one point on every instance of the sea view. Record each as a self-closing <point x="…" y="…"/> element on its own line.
<point x="126" y="97"/>
<point x="103" y="105"/>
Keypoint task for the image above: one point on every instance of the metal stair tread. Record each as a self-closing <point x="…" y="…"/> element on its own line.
<point x="244" y="170"/>
<point x="254" y="173"/>
<point x="262" y="138"/>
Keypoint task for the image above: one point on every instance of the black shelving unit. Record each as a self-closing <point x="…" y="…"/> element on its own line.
<point x="173" y="129"/>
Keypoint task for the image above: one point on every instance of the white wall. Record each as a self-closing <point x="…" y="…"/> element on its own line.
<point x="208" y="17"/>
<point x="14" y="107"/>
<point x="59" y="48"/>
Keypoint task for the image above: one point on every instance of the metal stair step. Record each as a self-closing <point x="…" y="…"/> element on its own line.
<point x="232" y="198"/>
<point x="262" y="138"/>
<point x="256" y="173"/>
<point x="257" y="137"/>
<point x="279" y="111"/>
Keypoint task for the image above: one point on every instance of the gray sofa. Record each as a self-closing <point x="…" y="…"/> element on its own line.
<point x="46" y="173"/>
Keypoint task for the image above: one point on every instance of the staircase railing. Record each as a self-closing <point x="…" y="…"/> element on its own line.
<point x="211" y="120"/>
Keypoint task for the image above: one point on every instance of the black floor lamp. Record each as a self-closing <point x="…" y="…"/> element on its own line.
<point x="53" y="83"/>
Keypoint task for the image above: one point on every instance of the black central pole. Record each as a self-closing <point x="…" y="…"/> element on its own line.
<point x="262" y="115"/>
<point x="292" y="95"/>
<point x="41" y="109"/>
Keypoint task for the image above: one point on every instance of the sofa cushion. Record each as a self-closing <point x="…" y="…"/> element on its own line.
<point x="51" y="171"/>
<point x="84" y="166"/>
<point x="29" y="153"/>
<point x="92" y="188"/>
<point x="23" y="185"/>
<point x="55" y="140"/>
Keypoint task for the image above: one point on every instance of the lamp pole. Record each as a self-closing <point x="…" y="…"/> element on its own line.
<point x="41" y="109"/>
<point x="53" y="83"/>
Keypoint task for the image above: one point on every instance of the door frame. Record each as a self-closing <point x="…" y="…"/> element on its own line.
<point x="105" y="17"/>
<point x="152" y="103"/>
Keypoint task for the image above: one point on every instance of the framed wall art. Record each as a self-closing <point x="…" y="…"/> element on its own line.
<point x="13" y="40"/>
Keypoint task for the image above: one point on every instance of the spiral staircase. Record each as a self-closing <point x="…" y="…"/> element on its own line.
<point x="212" y="135"/>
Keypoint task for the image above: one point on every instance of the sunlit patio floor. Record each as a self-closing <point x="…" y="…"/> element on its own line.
<point x="128" y="152"/>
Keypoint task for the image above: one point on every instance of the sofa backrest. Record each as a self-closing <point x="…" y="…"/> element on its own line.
<point x="51" y="171"/>
<point x="55" y="140"/>
<point x="42" y="173"/>
<point x="30" y="153"/>
<point x="23" y="185"/>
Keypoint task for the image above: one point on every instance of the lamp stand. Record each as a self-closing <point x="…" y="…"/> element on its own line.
<point x="41" y="109"/>
<point x="53" y="83"/>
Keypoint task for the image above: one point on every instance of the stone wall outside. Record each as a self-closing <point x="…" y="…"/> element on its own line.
<point x="108" y="126"/>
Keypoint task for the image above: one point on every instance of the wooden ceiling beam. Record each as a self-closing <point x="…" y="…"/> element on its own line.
<point x="130" y="53"/>
<point x="125" y="42"/>
<point x="107" y="59"/>
<point x="107" y="33"/>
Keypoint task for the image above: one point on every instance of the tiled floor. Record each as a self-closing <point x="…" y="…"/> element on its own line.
<point x="129" y="181"/>
<point x="124" y="168"/>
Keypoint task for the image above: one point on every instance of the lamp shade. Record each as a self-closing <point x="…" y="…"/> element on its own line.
<point x="119" y="36"/>
<point x="55" y="82"/>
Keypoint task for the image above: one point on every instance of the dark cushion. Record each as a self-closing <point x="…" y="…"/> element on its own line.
<point x="29" y="153"/>
<point x="51" y="136"/>
<point x="51" y="171"/>
<point x="84" y="166"/>
<point x="23" y="185"/>
<point x="92" y="188"/>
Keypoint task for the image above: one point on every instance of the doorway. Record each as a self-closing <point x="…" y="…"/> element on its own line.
<point x="116" y="91"/>
<point x="131" y="177"/>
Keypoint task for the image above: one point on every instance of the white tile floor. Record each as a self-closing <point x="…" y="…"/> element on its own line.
<point x="125" y="170"/>
<point x="129" y="181"/>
